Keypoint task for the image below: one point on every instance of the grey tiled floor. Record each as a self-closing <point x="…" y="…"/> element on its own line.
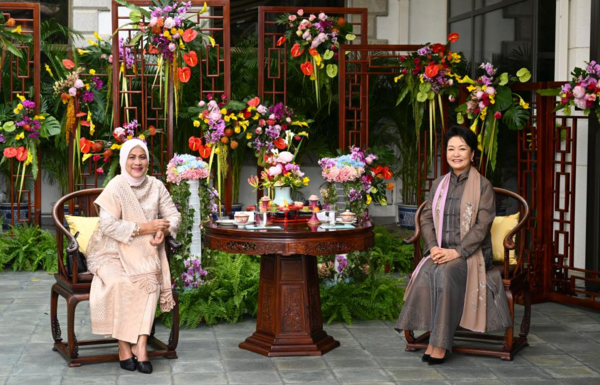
<point x="564" y="349"/>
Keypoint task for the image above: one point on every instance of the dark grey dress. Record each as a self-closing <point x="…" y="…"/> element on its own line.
<point x="437" y="296"/>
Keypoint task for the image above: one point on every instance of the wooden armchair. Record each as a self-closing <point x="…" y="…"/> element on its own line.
<point x="76" y="288"/>
<point x="515" y="285"/>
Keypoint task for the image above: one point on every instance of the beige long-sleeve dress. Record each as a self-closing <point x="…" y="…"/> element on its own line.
<point x="119" y="306"/>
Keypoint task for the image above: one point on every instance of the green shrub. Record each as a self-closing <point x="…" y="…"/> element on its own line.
<point x="27" y="247"/>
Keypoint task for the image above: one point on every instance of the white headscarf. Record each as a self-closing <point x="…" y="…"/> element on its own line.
<point x="124" y="154"/>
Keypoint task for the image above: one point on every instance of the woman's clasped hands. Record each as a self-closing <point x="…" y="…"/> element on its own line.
<point x="440" y="255"/>
<point x="158" y="227"/>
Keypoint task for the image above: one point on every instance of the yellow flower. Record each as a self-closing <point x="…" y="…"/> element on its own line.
<point x="217" y="150"/>
<point x="397" y="78"/>
<point x="20" y="136"/>
<point x="456" y="57"/>
<point x="29" y="158"/>
<point x="206" y="121"/>
<point x="17" y="30"/>
<point x="21" y="97"/>
<point x="115" y="147"/>
<point x="305" y="180"/>
<point x="249" y="136"/>
<point x="16" y="111"/>
<point x="20" y="106"/>
<point x="523" y="104"/>
<point x="244" y="124"/>
<point x="237" y="130"/>
<point x="129" y="137"/>
<point x="86" y="157"/>
<point x="180" y="32"/>
<point x="196" y="123"/>
<point x="89" y="116"/>
<point x="209" y="145"/>
<point x="92" y="128"/>
<point x="92" y="43"/>
<point x="223" y="111"/>
<point x="471" y="88"/>
<point x="303" y="133"/>
<point x="173" y="31"/>
<point x="142" y="137"/>
<point x="421" y="78"/>
<point x="92" y="72"/>
<point x="256" y="116"/>
<point x="82" y="52"/>
<point x="166" y="34"/>
<point x="39" y="117"/>
<point x="474" y="127"/>
<point x="98" y="36"/>
<point x="226" y="118"/>
<point x="369" y="199"/>
<point x="87" y="86"/>
<point x="181" y="45"/>
<point x="484" y="87"/>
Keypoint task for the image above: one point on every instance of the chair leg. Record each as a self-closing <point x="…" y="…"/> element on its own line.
<point x="54" y="324"/>
<point x="72" y="303"/>
<point x="174" y="336"/>
<point x="507" y="344"/>
<point x="526" y="321"/>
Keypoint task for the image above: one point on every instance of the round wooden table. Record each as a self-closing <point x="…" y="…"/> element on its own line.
<point x="289" y="302"/>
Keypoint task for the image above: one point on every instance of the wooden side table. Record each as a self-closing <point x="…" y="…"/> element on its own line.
<point x="289" y="307"/>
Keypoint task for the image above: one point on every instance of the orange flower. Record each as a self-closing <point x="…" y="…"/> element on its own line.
<point x="10" y="152"/>
<point x="189" y="35"/>
<point x="390" y="186"/>
<point x="191" y="58"/>
<point x="21" y="154"/>
<point x="97" y="146"/>
<point x="68" y="64"/>
<point x="160" y="22"/>
<point x="153" y="50"/>
<point x="195" y="143"/>
<point x="184" y="74"/>
<point x="313" y="52"/>
<point x="10" y="22"/>
<point x="85" y="145"/>
<point x="281" y="41"/>
<point x="431" y="70"/>
<point x="341" y="21"/>
<point x="453" y="37"/>
<point x="280" y="143"/>
<point x="307" y="68"/>
<point x="152" y="130"/>
<point x="254" y="102"/>
<point x="297" y="50"/>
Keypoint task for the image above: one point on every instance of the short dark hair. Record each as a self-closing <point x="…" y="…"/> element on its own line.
<point x="467" y="135"/>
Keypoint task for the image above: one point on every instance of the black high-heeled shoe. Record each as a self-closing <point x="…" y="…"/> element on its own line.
<point x="425" y="357"/>
<point x="436" y="361"/>
<point x="128" y="364"/>
<point x="144" y="367"/>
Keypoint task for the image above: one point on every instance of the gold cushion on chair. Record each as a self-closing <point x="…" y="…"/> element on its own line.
<point x="85" y="226"/>
<point x="500" y="228"/>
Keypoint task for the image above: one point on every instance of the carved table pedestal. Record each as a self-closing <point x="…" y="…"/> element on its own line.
<point x="289" y="308"/>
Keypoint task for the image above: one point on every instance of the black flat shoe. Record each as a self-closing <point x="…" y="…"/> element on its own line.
<point x="436" y="361"/>
<point x="144" y="367"/>
<point x="128" y="364"/>
<point x="425" y="357"/>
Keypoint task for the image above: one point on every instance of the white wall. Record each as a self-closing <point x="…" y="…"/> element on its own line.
<point x="413" y="22"/>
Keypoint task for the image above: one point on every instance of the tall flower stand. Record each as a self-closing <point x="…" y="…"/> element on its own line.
<point x="194" y="203"/>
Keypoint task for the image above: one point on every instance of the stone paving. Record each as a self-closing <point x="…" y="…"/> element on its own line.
<point x="565" y="344"/>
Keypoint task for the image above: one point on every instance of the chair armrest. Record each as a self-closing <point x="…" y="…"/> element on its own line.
<point x="417" y="234"/>
<point x="172" y="245"/>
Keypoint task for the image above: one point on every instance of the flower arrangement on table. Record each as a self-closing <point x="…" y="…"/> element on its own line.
<point x="107" y="149"/>
<point x="21" y="133"/>
<point x="172" y="35"/>
<point x="428" y="74"/>
<point x="362" y="178"/>
<point x="315" y="42"/>
<point x="270" y="128"/>
<point x="581" y="93"/>
<point x="491" y="100"/>
<point x="219" y="121"/>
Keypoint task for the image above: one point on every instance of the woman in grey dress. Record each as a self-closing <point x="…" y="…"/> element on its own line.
<point x="454" y="284"/>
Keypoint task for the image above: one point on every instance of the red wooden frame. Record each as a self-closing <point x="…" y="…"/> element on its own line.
<point x="21" y="85"/>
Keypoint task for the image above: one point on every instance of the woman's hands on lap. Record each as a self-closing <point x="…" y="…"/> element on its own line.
<point x="158" y="227"/>
<point x="440" y="255"/>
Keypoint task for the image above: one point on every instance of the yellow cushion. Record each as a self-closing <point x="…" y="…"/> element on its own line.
<point x="500" y="228"/>
<point x="85" y="226"/>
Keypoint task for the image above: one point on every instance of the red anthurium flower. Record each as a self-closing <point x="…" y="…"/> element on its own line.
<point x="281" y="41"/>
<point x="80" y="115"/>
<point x="205" y="152"/>
<point x="84" y="123"/>
<point x="21" y="154"/>
<point x="10" y="152"/>
<point x="377" y="170"/>
<point x="432" y="70"/>
<point x="189" y="35"/>
<point x="195" y="143"/>
<point x="184" y="74"/>
<point x="280" y="143"/>
<point x="85" y="145"/>
<point x="437" y="47"/>
<point x="313" y="52"/>
<point x="254" y="102"/>
<point x="387" y="174"/>
<point x="297" y="50"/>
<point x="68" y="64"/>
<point x="191" y="58"/>
<point x="307" y="68"/>
<point x="153" y="50"/>
<point x="453" y="37"/>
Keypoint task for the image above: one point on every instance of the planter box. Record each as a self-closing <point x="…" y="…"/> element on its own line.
<point x="406" y="216"/>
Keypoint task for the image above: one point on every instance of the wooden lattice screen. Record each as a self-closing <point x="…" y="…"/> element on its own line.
<point x="272" y="85"/>
<point x="24" y="74"/>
